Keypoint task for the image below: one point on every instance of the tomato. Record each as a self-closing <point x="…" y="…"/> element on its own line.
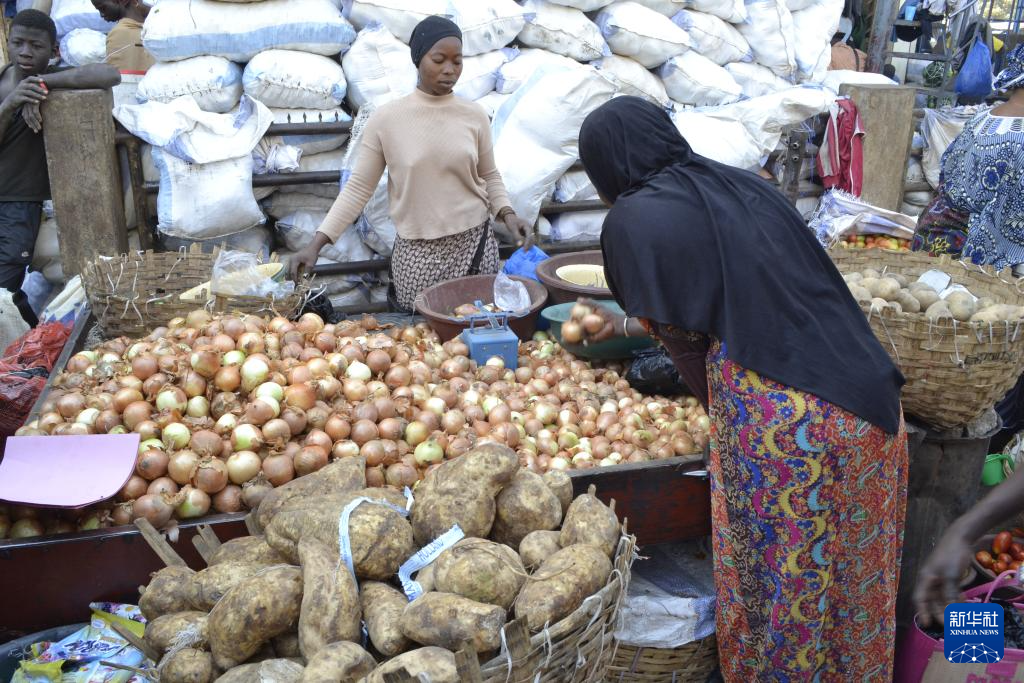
<point x="1005" y="558"/>
<point x="1017" y="550"/>
<point x="1001" y="543"/>
<point x="999" y="567"/>
<point x="1015" y="565"/>
<point x="1017" y="532"/>
<point x="984" y="558"/>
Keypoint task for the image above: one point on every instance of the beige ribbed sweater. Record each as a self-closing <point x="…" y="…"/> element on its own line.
<point x="441" y="174"/>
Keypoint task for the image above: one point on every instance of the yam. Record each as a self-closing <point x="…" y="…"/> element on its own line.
<point x="425" y="577"/>
<point x="252" y="612"/>
<point x="208" y="586"/>
<point x="330" y="599"/>
<point x="961" y="305"/>
<point x="907" y="301"/>
<point x="481" y="570"/>
<point x="249" y="549"/>
<point x="453" y="622"/>
<point x="267" y="671"/>
<point x="870" y="272"/>
<point x="985" y="302"/>
<point x="860" y="294"/>
<point x="344" y="474"/>
<point x="286" y="645"/>
<point x="887" y="289"/>
<point x="380" y="538"/>
<point x="537" y="547"/>
<point x="187" y="665"/>
<point x="590" y="521"/>
<point x="871" y="284"/>
<point x="878" y="304"/>
<point x="434" y="664"/>
<point x="853" y="277"/>
<point x="167" y="592"/>
<point x="926" y="296"/>
<point x="902" y="279"/>
<point x="938" y="311"/>
<point x="562" y="583"/>
<point x="184" y="629"/>
<point x="525" y="505"/>
<point x="561" y="484"/>
<point x="382" y="608"/>
<point x="338" y="663"/>
<point x="462" y="491"/>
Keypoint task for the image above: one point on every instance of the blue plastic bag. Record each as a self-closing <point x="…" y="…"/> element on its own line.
<point x="975" y="78"/>
<point x="524" y="263"/>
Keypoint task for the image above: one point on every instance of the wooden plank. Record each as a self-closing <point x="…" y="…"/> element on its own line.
<point x="3" y="41"/>
<point x="159" y="544"/>
<point x="85" y="177"/>
<point x="137" y="642"/>
<point x="888" y="116"/>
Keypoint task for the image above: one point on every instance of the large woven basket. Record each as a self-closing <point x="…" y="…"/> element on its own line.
<point x="690" y="663"/>
<point x="577" y="649"/>
<point x="133" y="293"/>
<point x="955" y="371"/>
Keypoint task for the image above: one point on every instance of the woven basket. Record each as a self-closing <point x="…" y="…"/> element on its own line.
<point x="577" y="649"/>
<point x="134" y="293"/>
<point x="690" y="663"/>
<point x="955" y="371"/>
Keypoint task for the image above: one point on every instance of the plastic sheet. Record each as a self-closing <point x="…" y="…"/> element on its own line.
<point x="653" y="372"/>
<point x="510" y="295"/>
<point x="238" y="273"/>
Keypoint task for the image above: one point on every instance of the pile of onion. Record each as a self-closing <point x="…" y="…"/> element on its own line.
<point x="228" y="407"/>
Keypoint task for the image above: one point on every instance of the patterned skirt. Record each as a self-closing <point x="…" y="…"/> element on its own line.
<point x="807" y="504"/>
<point x="420" y="264"/>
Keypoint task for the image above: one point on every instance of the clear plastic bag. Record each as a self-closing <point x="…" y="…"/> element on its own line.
<point x="239" y="273"/>
<point x="510" y="295"/>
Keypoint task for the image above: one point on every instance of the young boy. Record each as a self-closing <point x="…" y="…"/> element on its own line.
<point x="124" y="42"/>
<point x="24" y="178"/>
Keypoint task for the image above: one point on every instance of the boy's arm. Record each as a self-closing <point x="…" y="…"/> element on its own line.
<point x="83" y="77"/>
<point x="27" y="92"/>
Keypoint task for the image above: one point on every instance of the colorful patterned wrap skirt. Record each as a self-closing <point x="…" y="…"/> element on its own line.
<point x="420" y="264"/>
<point x="807" y="504"/>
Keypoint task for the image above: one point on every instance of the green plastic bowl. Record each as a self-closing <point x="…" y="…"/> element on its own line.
<point x="615" y="348"/>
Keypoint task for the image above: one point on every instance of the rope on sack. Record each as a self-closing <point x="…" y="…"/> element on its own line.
<point x="581" y="661"/>
<point x="181" y="257"/>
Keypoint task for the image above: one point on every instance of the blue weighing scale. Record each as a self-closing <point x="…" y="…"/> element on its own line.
<point x="489" y="335"/>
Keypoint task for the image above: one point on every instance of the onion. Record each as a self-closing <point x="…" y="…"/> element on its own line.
<point x="194" y="503"/>
<point x="416" y="433"/>
<point x="152" y="464"/>
<point x="70" y="405"/>
<point x="301" y="396"/>
<point x="253" y="492"/>
<point x="345" y="449"/>
<point x="228" y="378"/>
<point x="246" y="437"/>
<point x="124" y="398"/>
<point x="375" y="477"/>
<point x="198" y="406"/>
<point x="373" y="452"/>
<point x="358" y="371"/>
<point x="319" y="438"/>
<point x="251" y="342"/>
<point x="228" y="500"/>
<point x="135" y="486"/>
<point x="176" y="435"/>
<point x="48" y="421"/>
<point x="401" y="475"/>
<point x="296" y="420"/>
<point x="27" y="528"/>
<point x="171" y="398"/>
<point x="211" y="475"/>
<point x="243" y="466"/>
<point x="277" y="430"/>
<point x="87" y="416"/>
<point x="226" y="424"/>
<point x="261" y="411"/>
<point x="364" y="431"/>
<point x="309" y="324"/>
<point x="153" y="508"/>
<point x="428" y="452"/>
<point x="317" y="416"/>
<point x="309" y="460"/>
<point x="337" y="427"/>
<point x="391" y="429"/>
<point x="144" y="366"/>
<point x="398" y="376"/>
<point x="379" y="361"/>
<point x="254" y="372"/>
<point x="163" y="485"/>
<point x="181" y="464"/>
<point x="279" y="469"/>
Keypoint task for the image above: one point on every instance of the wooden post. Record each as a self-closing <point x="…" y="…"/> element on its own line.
<point x="85" y="179"/>
<point x="880" y="39"/>
<point x="4" y="59"/>
<point x="888" y="116"/>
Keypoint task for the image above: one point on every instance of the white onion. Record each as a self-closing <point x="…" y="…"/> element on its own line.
<point x="271" y="389"/>
<point x="243" y="466"/>
<point x="359" y="370"/>
<point x="254" y="373"/>
<point x="176" y="435"/>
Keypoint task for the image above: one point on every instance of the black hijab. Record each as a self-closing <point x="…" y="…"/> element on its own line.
<point x="713" y="249"/>
<point x="428" y="33"/>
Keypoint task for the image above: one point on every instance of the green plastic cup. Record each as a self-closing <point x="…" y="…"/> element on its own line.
<point x="992" y="473"/>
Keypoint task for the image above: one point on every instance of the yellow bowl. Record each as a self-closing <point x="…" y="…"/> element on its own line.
<point x="275" y="271"/>
<point x="583" y="274"/>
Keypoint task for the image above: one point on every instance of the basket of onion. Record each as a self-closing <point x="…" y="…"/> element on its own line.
<point x="229" y="407"/>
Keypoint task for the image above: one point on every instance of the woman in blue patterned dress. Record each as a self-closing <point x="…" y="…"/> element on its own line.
<point x="983" y="177"/>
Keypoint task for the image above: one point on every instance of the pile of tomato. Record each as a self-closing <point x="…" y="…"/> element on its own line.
<point x="1006" y="553"/>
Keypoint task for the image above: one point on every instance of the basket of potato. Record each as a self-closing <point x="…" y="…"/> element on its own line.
<point x="960" y="349"/>
<point x="530" y="592"/>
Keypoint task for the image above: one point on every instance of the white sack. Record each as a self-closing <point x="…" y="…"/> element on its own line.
<point x="191" y="134"/>
<point x="577" y="226"/>
<point x="631" y="78"/>
<point x="834" y="80"/>
<point x="378" y="67"/>
<point x="536" y="132"/>
<point x="328" y="161"/>
<point x="633" y="30"/>
<point x="771" y="114"/>
<point x="71" y="14"/>
<point x="939" y="128"/>
<point x="562" y="30"/>
<point x="83" y="46"/>
<point x="214" y="82"/>
<point x="313" y="143"/>
<point x="480" y="73"/>
<point x="257" y="240"/>
<point x="283" y="204"/>
<point x="722" y="140"/>
<point x="584" y="5"/>
<point x="769" y="31"/>
<point x="491" y="102"/>
<point x="755" y="80"/>
<point x="800" y="5"/>
<point x="273" y="155"/>
<point x="665" y="7"/>
<point x="299" y="80"/>
<point x="732" y="11"/>
<point x="374" y="224"/>
<point x="713" y="38"/>
<point x="574" y="186"/>
<point x="486" y="25"/>
<point x="179" y="29"/>
<point x="296" y="232"/>
<point x="519" y="70"/>
<point x="815" y="27"/>
<point x="205" y="201"/>
<point x="694" y="79"/>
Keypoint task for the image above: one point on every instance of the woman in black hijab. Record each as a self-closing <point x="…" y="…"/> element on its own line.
<point x="808" y="451"/>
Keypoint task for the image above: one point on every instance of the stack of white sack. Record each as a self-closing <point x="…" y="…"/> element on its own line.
<point x="69" y="15"/>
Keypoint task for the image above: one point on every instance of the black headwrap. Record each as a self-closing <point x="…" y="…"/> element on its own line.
<point x="427" y="34"/>
<point x="713" y="249"/>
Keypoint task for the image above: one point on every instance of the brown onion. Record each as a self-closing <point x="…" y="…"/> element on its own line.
<point x="253" y="492"/>
<point x="309" y="460"/>
<point x="180" y="465"/>
<point x="374" y="453"/>
<point x="151" y="464"/>
<point x="211" y="475"/>
<point x="163" y="485"/>
<point x="401" y="475"/>
<point x="375" y="477"/>
<point x="135" y="486"/>
<point x="153" y="508"/>
<point x="319" y="438"/>
<point x="229" y="499"/>
<point x="279" y="469"/>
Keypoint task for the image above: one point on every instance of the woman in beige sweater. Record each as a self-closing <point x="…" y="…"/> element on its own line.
<point x="443" y="184"/>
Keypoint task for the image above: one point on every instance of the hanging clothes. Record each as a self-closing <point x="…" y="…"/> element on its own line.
<point x="841" y="155"/>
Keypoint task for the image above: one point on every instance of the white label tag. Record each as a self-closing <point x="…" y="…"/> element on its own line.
<point x="936" y="279"/>
<point x="425" y="556"/>
<point x="344" y="541"/>
<point x="956" y="288"/>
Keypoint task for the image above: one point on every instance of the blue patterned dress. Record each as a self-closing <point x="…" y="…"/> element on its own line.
<point x="983" y="175"/>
